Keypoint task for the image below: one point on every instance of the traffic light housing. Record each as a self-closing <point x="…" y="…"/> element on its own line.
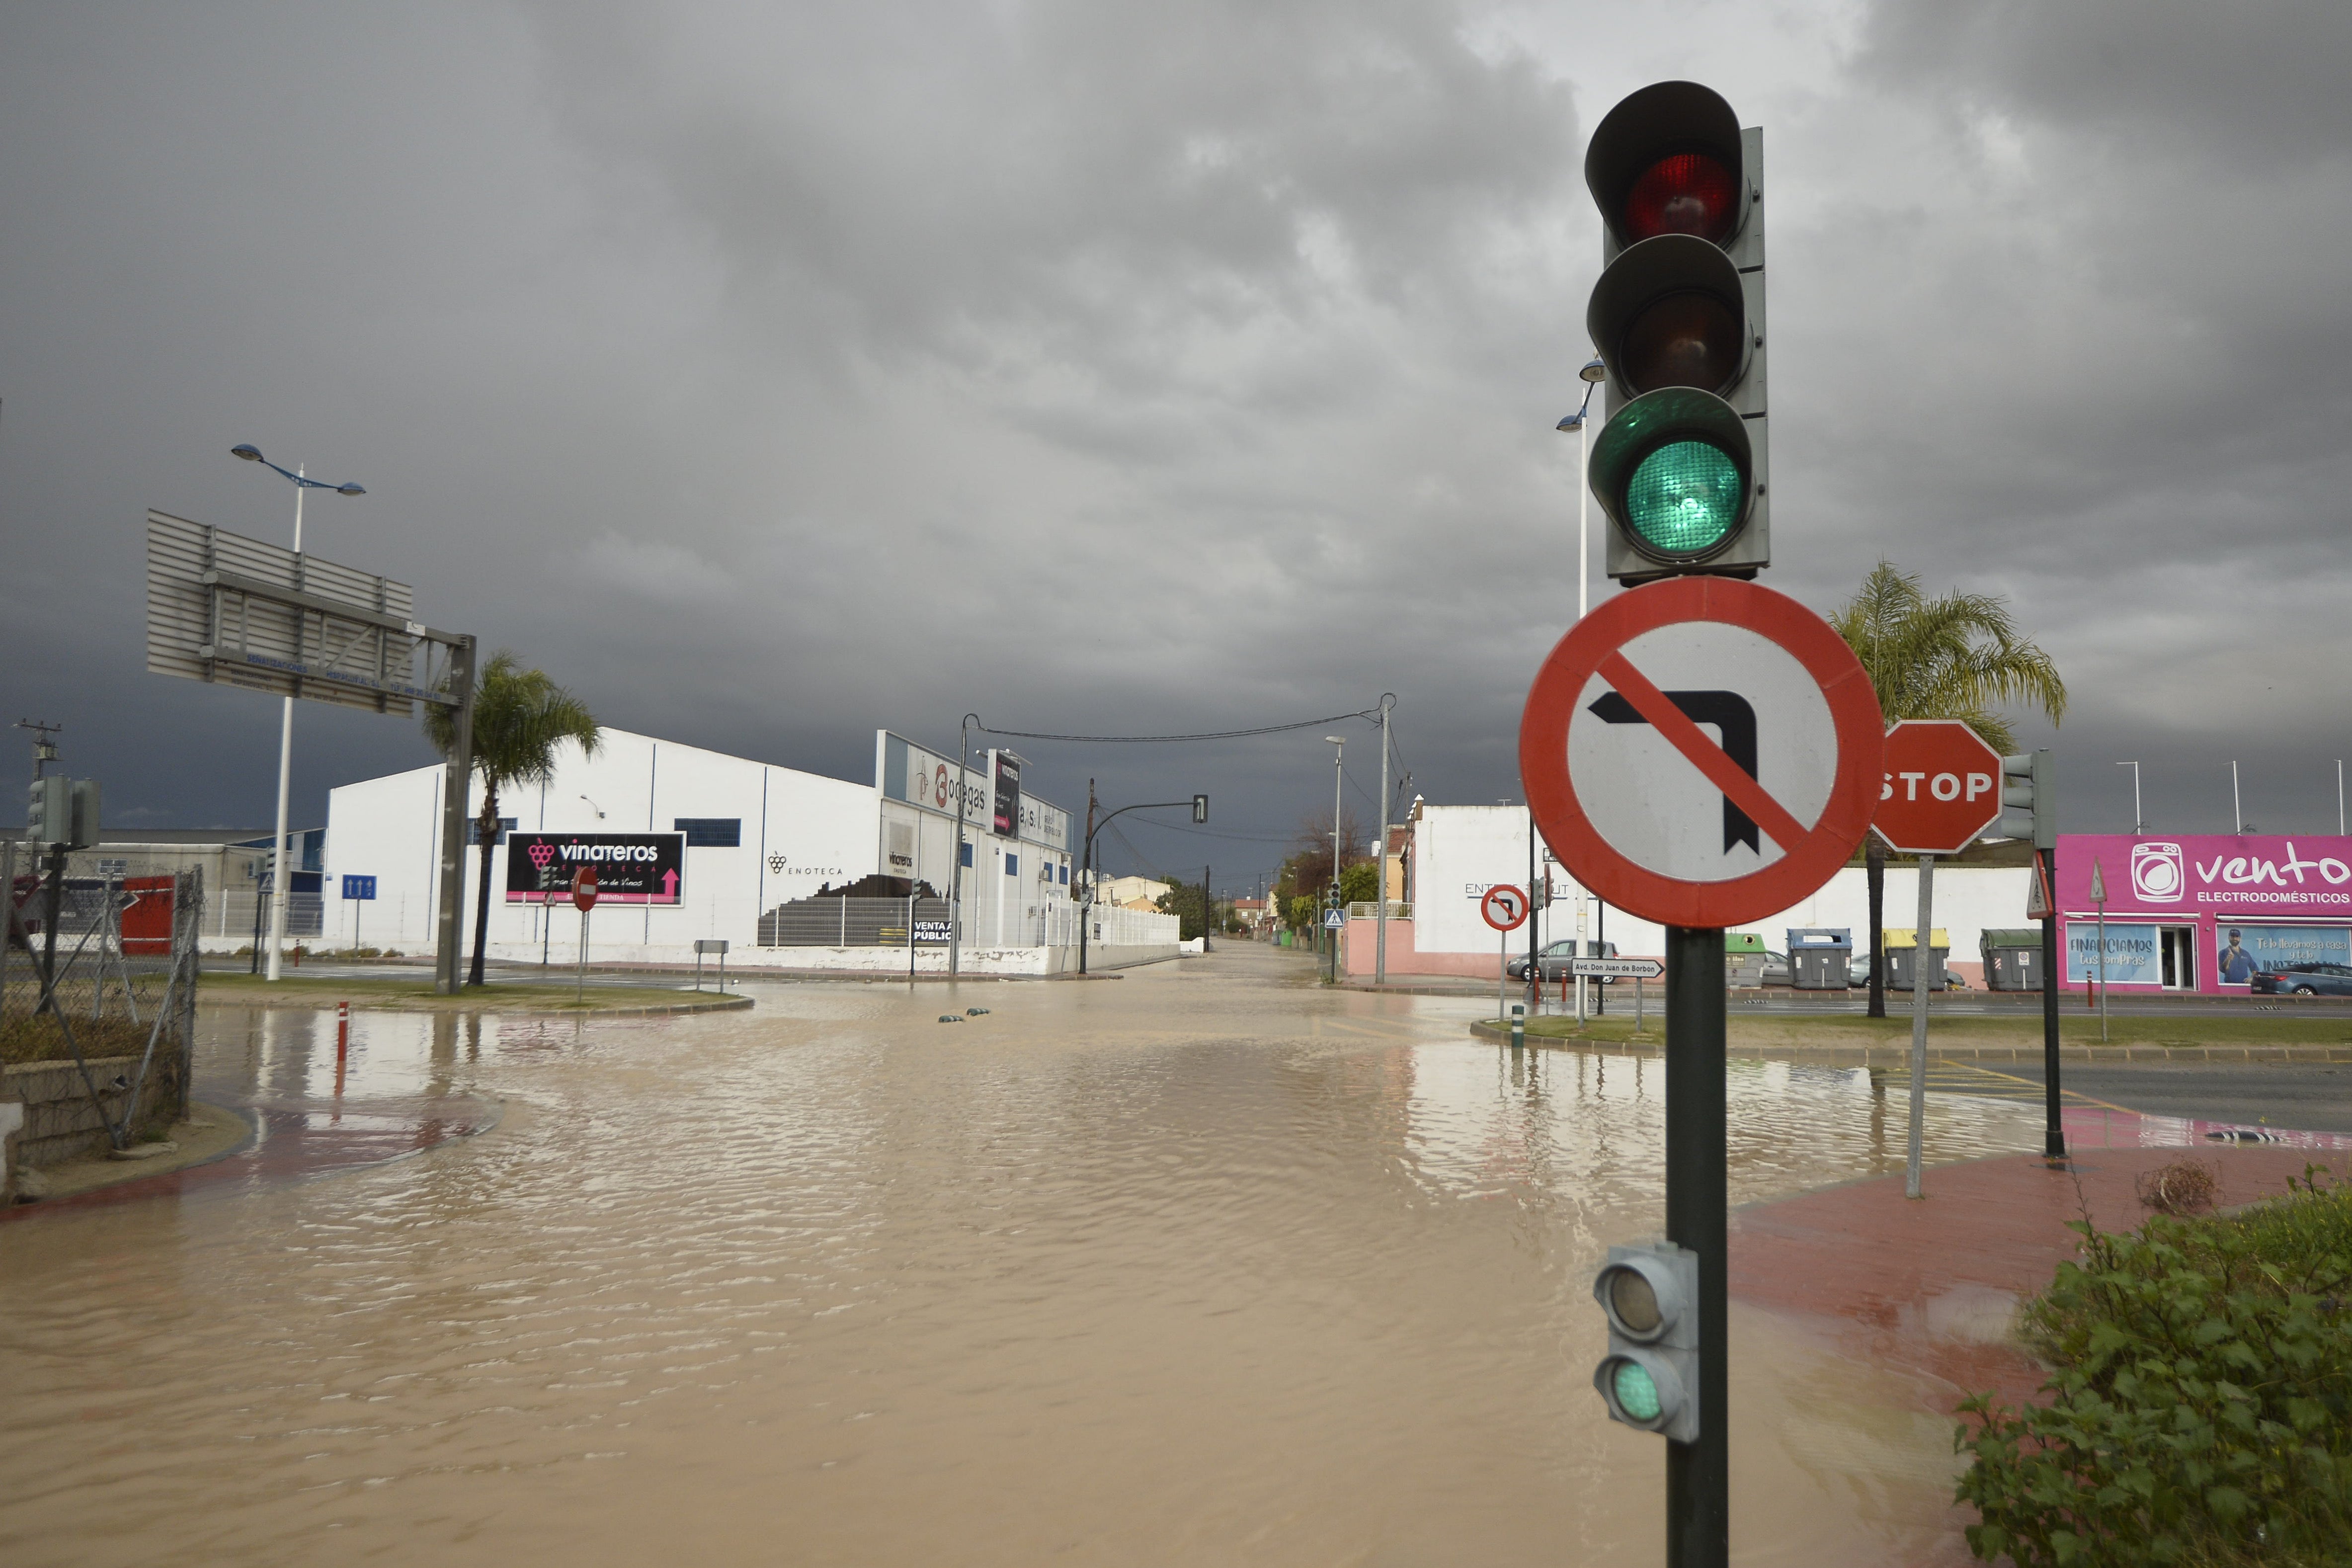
<point x="1649" y="1379"/>
<point x="2029" y="799"/>
<point x="60" y="811"/>
<point x="1677" y="317"/>
<point x="1200" y="808"/>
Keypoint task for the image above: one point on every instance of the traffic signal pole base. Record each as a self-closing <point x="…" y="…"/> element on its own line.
<point x="1699" y="1474"/>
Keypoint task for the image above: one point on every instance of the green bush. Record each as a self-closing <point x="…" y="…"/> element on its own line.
<point x="2201" y="1412"/>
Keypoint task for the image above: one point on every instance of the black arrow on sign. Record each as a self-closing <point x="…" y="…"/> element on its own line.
<point x="1728" y="712"/>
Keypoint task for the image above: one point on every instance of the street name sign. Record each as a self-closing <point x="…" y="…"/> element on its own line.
<point x="1939" y="787"/>
<point x="1504" y="906"/>
<point x="1615" y="968"/>
<point x="1669" y="822"/>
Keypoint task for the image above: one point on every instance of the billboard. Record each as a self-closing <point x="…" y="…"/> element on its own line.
<point x="240" y="612"/>
<point x="927" y="780"/>
<point x="2220" y="873"/>
<point x="1004" y="772"/>
<point x="631" y="868"/>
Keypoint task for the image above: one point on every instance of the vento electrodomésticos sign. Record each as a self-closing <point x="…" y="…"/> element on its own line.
<point x="631" y="868"/>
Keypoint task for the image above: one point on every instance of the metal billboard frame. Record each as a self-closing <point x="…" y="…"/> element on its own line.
<point x="324" y="633"/>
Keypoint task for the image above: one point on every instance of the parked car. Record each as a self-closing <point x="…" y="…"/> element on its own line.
<point x="2305" y="979"/>
<point x="1555" y="959"/>
<point x="1776" y="969"/>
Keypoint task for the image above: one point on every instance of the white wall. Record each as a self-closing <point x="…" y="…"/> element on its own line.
<point x="1461" y="850"/>
<point x="800" y="831"/>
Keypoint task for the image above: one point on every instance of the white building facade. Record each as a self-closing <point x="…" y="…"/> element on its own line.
<point x="1460" y="851"/>
<point x="694" y="845"/>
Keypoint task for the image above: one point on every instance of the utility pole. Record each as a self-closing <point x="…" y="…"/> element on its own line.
<point x="1207" y="908"/>
<point x="45" y="748"/>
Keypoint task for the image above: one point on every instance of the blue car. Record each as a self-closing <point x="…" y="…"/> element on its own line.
<point x="2305" y="979"/>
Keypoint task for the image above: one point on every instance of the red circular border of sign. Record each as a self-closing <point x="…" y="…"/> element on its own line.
<point x="1526" y="905"/>
<point x="1807" y="638"/>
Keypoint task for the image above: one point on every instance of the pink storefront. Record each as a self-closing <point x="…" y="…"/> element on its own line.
<point x="2204" y="912"/>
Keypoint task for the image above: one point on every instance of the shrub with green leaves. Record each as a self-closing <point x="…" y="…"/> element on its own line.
<point x="2202" y="1411"/>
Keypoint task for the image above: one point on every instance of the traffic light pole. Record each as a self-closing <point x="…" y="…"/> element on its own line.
<point x="2054" y="1135"/>
<point x="1699" y="1474"/>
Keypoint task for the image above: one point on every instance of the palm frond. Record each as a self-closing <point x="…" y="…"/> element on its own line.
<point x="1957" y="657"/>
<point x="521" y="720"/>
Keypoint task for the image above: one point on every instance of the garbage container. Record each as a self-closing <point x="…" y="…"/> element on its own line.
<point x="1903" y="955"/>
<point x="2012" y="959"/>
<point x="1743" y="958"/>
<point x="1818" y="957"/>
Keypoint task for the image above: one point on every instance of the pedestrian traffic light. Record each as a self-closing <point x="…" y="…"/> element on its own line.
<point x="1650" y="1377"/>
<point x="1678" y="319"/>
<point x="2029" y="799"/>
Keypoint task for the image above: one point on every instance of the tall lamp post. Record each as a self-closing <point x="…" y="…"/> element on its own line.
<point x="1593" y="374"/>
<point x="280" y="885"/>
<point x="2139" y="824"/>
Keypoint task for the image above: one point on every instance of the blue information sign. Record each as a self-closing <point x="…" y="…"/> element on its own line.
<point x="358" y="886"/>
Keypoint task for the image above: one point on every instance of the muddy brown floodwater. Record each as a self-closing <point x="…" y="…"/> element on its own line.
<point x="1204" y="1265"/>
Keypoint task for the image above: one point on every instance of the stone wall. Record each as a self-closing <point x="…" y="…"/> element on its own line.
<point x="58" y="1121"/>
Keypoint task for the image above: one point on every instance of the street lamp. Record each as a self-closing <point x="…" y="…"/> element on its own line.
<point x="1593" y="374"/>
<point x="2137" y="824"/>
<point x="281" y="887"/>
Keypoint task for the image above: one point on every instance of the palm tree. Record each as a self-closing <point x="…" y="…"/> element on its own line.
<point x="520" y="718"/>
<point x="1953" y="657"/>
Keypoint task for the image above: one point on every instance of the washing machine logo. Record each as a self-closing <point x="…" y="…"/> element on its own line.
<point x="2158" y="872"/>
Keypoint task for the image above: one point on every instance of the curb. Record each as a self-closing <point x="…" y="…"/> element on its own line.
<point x="1899" y="1055"/>
<point x="490" y="1003"/>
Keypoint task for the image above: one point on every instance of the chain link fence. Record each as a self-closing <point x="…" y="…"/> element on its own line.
<point x="98" y="979"/>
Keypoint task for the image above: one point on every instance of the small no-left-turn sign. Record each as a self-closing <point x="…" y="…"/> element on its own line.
<point x="1504" y="906"/>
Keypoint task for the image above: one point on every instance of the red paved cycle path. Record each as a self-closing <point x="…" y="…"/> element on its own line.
<point x="1928" y="1284"/>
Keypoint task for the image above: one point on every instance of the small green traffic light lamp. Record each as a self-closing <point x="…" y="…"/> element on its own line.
<point x="1649" y="1379"/>
<point x="1679" y="317"/>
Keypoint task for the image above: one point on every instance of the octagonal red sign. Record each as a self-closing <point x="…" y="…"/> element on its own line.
<point x="1941" y="789"/>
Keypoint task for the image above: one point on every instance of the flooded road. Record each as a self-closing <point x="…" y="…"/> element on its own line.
<point x="1204" y="1265"/>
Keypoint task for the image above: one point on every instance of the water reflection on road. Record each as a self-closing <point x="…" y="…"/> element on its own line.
<point x="1201" y="1264"/>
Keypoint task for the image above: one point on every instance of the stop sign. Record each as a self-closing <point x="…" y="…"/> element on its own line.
<point x="1941" y="790"/>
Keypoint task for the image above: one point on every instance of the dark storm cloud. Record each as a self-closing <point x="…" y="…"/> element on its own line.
<point x="770" y="374"/>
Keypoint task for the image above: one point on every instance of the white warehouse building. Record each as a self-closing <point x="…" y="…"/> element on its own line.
<point x="693" y="845"/>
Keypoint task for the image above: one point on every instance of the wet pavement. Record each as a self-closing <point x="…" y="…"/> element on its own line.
<point x="1205" y="1264"/>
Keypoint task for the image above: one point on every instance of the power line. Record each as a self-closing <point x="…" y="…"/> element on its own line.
<point x="1210" y="735"/>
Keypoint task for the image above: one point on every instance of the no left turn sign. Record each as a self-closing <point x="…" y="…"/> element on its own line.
<point x="1702" y="752"/>
<point x="1504" y="906"/>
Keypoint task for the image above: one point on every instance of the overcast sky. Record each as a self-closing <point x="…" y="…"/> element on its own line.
<point x="769" y="374"/>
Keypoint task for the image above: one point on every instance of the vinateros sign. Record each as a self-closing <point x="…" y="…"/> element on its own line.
<point x="631" y="868"/>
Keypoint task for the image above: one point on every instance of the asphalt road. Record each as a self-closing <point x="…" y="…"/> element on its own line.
<point x="2314" y="1097"/>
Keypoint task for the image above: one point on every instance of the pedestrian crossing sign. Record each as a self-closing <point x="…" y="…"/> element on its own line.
<point x="1334" y="919"/>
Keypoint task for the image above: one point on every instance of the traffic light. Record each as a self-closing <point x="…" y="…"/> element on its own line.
<point x="1200" y="808"/>
<point x="62" y="811"/>
<point x="2029" y="799"/>
<point x="1678" y="319"/>
<point x="1650" y="1377"/>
